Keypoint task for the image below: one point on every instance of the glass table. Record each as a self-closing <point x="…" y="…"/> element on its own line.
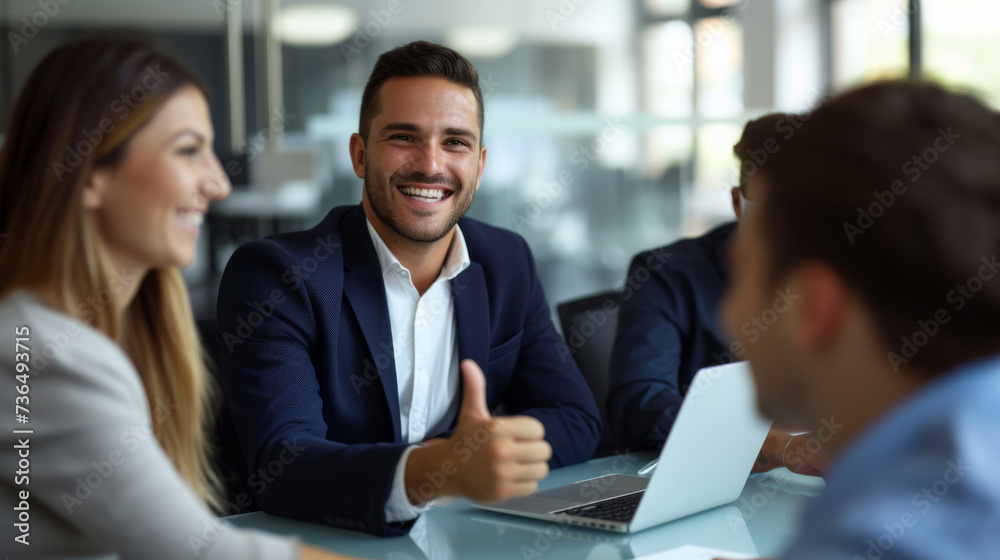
<point x="761" y="522"/>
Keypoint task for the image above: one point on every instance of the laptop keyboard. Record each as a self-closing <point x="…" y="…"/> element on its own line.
<point x="620" y="509"/>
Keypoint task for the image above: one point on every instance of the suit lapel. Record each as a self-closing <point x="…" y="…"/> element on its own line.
<point x="364" y="288"/>
<point x="472" y="316"/>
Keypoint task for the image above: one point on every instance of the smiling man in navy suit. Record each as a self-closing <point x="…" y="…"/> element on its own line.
<point x="367" y="356"/>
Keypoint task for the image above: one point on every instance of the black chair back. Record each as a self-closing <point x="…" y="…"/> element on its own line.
<point x="229" y="463"/>
<point x="589" y="326"/>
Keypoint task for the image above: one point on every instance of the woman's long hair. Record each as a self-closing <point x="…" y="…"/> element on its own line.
<point x="77" y="112"/>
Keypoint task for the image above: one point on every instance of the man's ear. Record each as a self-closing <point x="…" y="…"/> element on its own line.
<point x="357" y="147"/>
<point x="734" y="193"/>
<point x="819" y="298"/>
<point x="482" y="166"/>
<point x="95" y="189"/>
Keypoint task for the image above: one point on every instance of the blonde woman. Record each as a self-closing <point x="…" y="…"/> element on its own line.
<point x="106" y="172"/>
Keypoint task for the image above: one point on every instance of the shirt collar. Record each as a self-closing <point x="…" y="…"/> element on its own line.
<point x="455" y="261"/>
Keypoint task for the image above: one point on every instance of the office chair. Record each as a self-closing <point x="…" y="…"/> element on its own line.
<point x="589" y="331"/>
<point x="228" y="457"/>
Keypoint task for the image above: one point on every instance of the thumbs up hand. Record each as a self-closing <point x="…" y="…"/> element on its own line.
<point x="474" y="393"/>
<point x="486" y="459"/>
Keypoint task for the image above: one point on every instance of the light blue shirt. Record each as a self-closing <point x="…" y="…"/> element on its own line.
<point x="923" y="482"/>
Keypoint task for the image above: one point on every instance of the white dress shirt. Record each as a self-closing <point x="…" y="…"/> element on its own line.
<point x="426" y="353"/>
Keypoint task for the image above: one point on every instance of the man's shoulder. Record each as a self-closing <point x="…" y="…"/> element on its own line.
<point x="481" y="231"/>
<point x="915" y="499"/>
<point x="703" y="246"/>
<point x="488" y="243"/>
<point x="686" y="256"/>
<point x="324" y="238"/>
<point x="946" y="431"/>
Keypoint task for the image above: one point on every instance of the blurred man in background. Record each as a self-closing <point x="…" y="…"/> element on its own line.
<point x="668" y="328"/>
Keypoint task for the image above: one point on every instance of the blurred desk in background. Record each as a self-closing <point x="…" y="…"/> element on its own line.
<point x="293" y="199"/>
<point x="257" y="212"/>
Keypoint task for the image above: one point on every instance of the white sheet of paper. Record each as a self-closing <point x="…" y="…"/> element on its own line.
<point x="691" y="552"/>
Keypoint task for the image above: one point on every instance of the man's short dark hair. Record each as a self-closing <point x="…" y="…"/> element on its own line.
<point x="412" y="60"/>
<point x="897" y="187"/>
<point x="761" y="136"/>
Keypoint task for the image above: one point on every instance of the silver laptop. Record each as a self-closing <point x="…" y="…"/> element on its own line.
<point x="704" y="463"/>
<point x="722" y="528"/>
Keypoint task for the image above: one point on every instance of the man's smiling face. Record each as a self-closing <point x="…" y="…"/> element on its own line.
<point x="424" y="158"/>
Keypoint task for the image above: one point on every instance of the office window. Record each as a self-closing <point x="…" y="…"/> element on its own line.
<point x="870" y="41"/>
<point x="667" y="147"/>
<point x="715" y="166"/>
<point x="719" y="66"/>
<point x="669" y="69"/>
<point x="636" y="104"/>
<point x="719" y="3"/>
<point x="693" y="88"/>
<point x="667" y="7"/>
<point x="960" y="45"/>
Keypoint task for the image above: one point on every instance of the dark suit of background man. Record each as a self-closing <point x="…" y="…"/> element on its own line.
<point x="382" y="339"/>
<point x="669" y="327"/>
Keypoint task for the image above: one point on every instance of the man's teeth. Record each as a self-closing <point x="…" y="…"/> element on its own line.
<point x="432" y="194"/>
<point x="191" y="218"/>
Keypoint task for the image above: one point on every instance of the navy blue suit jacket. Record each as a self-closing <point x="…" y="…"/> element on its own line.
<point x="668" y="330"/>
<point x="309" y="374"/>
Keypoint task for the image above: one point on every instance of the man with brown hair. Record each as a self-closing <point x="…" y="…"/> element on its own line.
<point x="391" y="333"/>
<point x="883" y="214"/>
<point x="668" y="328"/>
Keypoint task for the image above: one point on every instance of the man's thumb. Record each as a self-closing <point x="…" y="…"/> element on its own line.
<point x="474" y="393"/>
